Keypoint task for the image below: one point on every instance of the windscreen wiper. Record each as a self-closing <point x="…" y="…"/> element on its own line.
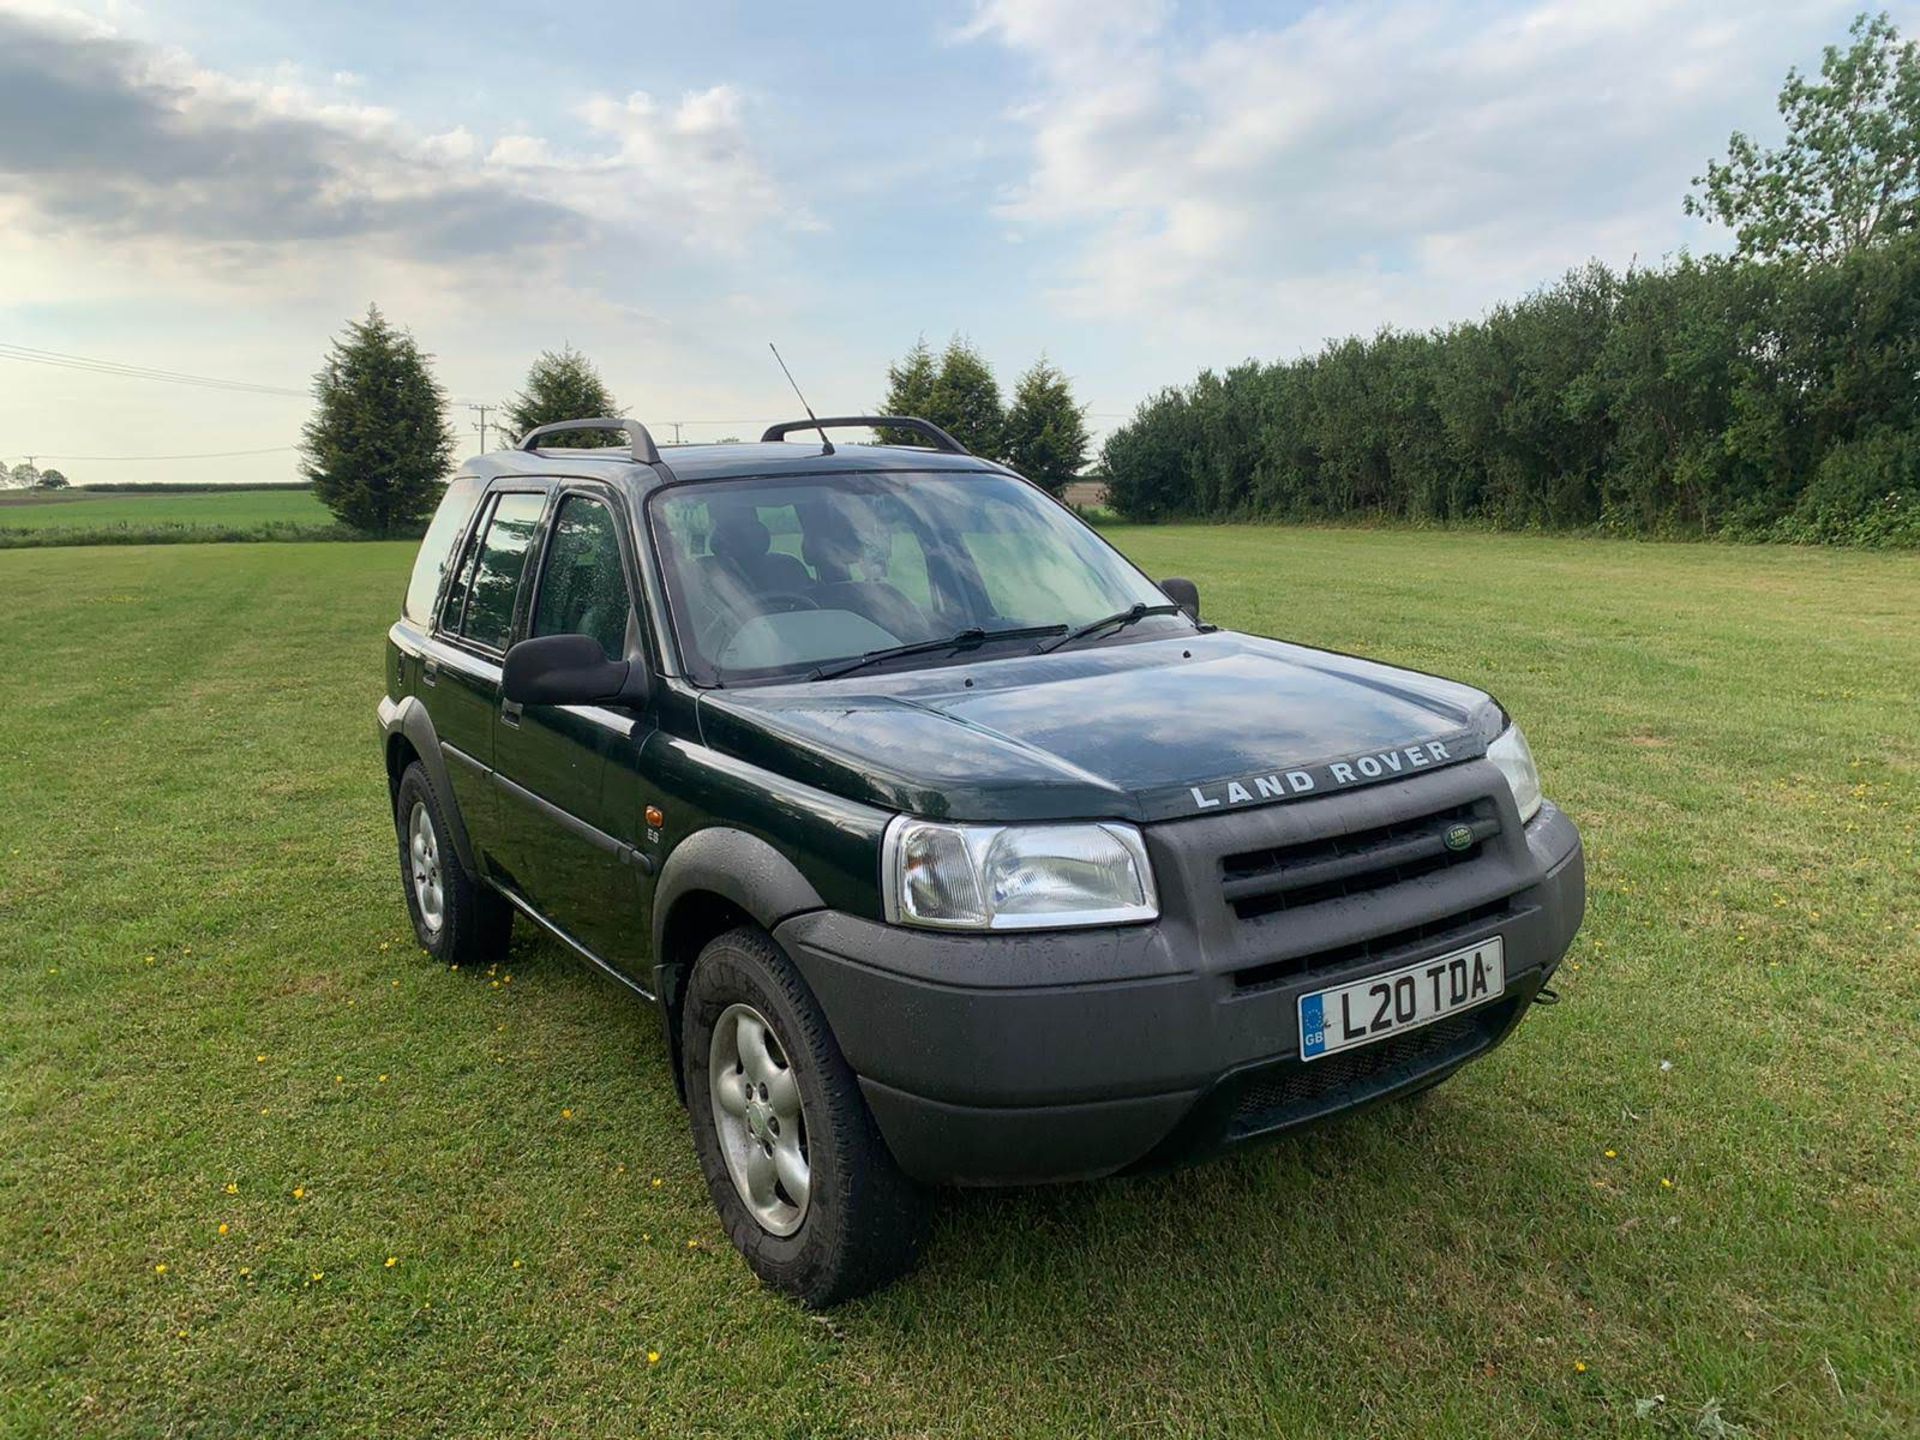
<point x="1120" y="619"/>
<point x="973" y="635"/>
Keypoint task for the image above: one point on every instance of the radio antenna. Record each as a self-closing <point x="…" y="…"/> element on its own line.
<point x="825" y="444"/>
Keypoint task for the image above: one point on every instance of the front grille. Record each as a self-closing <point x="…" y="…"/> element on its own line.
<point x="1385" y="947"/>
<point x="1257" y="883"/>
<point x="1298" y="1090"/>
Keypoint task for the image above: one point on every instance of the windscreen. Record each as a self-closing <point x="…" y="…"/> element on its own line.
<point x="769" y="578"/>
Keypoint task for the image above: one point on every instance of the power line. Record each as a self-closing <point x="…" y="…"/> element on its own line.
<point x="60" y="360"/>
<point x="208" y="455"/>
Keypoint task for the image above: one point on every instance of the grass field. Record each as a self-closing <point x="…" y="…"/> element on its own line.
<point x="265" y="1171"/>
<point x="94" y="513"/>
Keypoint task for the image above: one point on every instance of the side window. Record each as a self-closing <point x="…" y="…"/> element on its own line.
<point x="453" y="608"/>
<point x="583" y="583"/>
<point x="436" y="550"/>
<point x="502" y="556"/>
<point x="784" y="535"/>
<point x="905" y="567"/>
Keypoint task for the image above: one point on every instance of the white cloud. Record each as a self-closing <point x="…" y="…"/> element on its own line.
<point x="141" y="151"/>
<point x="1366" y="164"/>
<point x="691" y="166"/>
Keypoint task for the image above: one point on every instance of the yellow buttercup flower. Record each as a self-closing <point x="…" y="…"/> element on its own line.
<point x="392" y="1260"/>
<point x="161" y="1268"/>
<point x="1579" y="1367"/>
<point x="566" y="1114"/>
<point x="299" y="1192"/>
<point x="1665" y="1184"/>
<point x="232" y="1188"/>
<point x="1611" y="1155"/>
<point x="653" y="1357"/>
<point x="223" y="1227"/>
<point x="516" y="1264"/>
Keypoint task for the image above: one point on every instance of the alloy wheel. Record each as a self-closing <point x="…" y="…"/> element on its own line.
<point x="423" y="860"/>
<point x="760" y="1119"/>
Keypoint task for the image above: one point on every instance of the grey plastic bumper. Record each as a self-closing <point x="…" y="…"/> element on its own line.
<point x="1011" y="1059"/>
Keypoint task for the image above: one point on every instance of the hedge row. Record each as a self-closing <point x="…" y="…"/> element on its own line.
<point x="52" y="537"/>
<point x="1709" y="397"/>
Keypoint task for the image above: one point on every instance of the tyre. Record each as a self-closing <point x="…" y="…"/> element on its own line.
<point x="805" y="1186"/>
<point x="457" y="920"/>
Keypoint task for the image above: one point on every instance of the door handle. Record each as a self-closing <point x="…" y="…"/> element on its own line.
<point x="430" y="671"/>
<point x="510" y="713"/>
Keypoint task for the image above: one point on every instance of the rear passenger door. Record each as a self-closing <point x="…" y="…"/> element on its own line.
<point x="460" y="669"/>
<point x="558" y="844"/>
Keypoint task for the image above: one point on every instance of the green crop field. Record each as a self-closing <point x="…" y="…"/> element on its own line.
<point x="267" y="1172"/>
<point x="78" y="510"/>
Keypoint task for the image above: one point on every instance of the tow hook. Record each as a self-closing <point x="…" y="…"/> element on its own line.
<point x="1546" y="995"/>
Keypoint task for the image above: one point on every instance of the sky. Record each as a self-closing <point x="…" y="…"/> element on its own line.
<point x="1137" y="188"/>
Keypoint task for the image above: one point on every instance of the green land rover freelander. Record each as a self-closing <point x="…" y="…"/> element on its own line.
<point x="951" y="849"/>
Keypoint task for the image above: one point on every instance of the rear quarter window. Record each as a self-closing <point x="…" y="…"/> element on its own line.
<point x="436" y="550"/>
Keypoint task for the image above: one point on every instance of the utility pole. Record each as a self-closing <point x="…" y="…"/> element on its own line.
<point x="676" y="430"/>
<point x="481" y="424"/>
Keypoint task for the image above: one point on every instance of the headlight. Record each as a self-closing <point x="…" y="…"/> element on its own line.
<point x="1015" y="877"/>
<point x="1511" y="753"/>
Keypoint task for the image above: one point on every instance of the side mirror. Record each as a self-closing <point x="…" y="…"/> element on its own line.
<point x="569" y="670"/>
<point x="1183" y="593"/>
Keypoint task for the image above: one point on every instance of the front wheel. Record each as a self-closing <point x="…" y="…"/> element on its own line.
<point x="803" y="1182"/>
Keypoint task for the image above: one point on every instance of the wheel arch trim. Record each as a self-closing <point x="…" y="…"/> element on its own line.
<point x="737" y="867"/>
<point x="745" y="874"/>
<point x="407" y="720"/>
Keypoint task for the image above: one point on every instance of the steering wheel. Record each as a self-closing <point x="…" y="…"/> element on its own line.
<point x="714" y="639"/>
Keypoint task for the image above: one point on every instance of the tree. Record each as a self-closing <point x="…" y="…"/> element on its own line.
<point x="53" y="480"/>
<point x="1045" y="432"/>
<point x="1848" y="174"/>
<point x="379" y="441"/>
<point x="966" y="400"/>
<point x="23" y="476"/>
<point x="563" y="385"/>
<point x="910" y="385"/>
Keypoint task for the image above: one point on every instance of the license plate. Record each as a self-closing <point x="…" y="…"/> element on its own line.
<point x="1400" y="1000"/>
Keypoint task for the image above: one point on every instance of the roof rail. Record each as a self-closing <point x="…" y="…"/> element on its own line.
<point x="935" y="436"/>
<point x="645" y="452"/>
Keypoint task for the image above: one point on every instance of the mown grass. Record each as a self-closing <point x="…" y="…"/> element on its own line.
<point x="208" y="1003"/>
<point x="71" y="517"/>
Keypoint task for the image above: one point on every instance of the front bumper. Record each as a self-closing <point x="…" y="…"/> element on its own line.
<point x="1013" y="1059"/>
